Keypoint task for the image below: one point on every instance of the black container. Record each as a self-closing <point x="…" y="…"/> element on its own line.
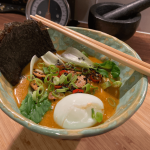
<point x="122" y="29"/>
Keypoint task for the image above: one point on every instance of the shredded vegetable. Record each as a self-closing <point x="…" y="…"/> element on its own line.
<point x="51" y="87"/>
<point x="38" y="81"/>
<point x="98" y="116"/>
<point x="46" y="71"/>
<point x="48" y="78"/>
<point x="56" y="81"/>
<point x="105" y="85"/>
<point x="111" y="102"/>
<point x="117" y="84"/>
<point x="30" y="77"/>
<point x="40" y="91"/>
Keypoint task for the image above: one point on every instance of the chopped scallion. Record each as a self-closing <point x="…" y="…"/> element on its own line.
<point x="38" y="81"/>
<point x="48" y="78"/>
<point x="111" y="102"/>
<point x="56" y="80"/>
<point x="30" y="77"/>
<point x="93" y="113"/>
<point x="117" y="84"/>
<point x="40" y="91"/>
<point x="85" y="71"/>
<point x="73" y="84"/>
<point x="105" y="85"/>
<point x="45" y="69"/>
<point x="51" y="87"/>
<point x="62" y="78"/>
<point x="62" y="90"/>
<point x="40" y="65"/>
<point x="99" y="117"/>
<point x="86" y="87"/>
<point x="74" y="78"/>
<point x="34" y="97"/>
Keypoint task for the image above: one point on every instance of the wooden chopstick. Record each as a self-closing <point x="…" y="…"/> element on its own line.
<point x="100" y="44"/>
<point x="95" y="45"/>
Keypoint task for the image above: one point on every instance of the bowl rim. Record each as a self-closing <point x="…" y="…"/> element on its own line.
<point x="85" y="132"/>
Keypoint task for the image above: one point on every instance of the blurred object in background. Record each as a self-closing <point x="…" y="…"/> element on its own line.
<point x="82" y="10"/>
<point x="13" y="6"/>
<point x="62" y="11"/>
<point x="79" y="10"/>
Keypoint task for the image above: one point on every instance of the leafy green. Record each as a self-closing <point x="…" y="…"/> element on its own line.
<point x="98" y="117"/>
<point x="40" y="109"/>
<point x="115" y="71"/>
<point x="106" y="65"/>
<point x="34" y="111"/>
<point x="102" y="72"/>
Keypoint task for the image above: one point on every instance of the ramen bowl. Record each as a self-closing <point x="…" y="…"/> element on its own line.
<point x="132" y="92"/>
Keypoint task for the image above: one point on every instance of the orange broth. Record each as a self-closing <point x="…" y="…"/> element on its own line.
<point x="21" y="90"/>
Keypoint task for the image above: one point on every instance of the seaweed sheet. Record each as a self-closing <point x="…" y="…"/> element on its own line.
<point x="19" y="42"/>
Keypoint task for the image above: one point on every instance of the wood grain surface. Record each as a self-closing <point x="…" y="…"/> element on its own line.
<point x="134" y="134"/>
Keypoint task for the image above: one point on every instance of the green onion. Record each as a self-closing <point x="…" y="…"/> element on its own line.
<point x="94" y="89"/>
<point x="93" y="113"/>
<point x="74" y="78"/>
<point x="75" y="68"/>
<point x="69" y="77"/>
<point x="62" y="90"/>
<point x="99" y="117"/>
<point x="112" y="80"/>
<point x="73" y="84"/>
<point x="85" y="71"/>
<point x="51" y="87"/>
<point x="44" y="96"/>
<point x="117" y="84"/>
<point x="87" y="87"/>
<point x="62" y="79"/>
<point x="34" y="97"/>
<point x="53" y="70"/>
<point x="31" y="77"/>
<point x="40" y="65"/>
<point x="48" y="78"/>
<point x="69" y="65"/>
<point x="56" y="80"/>
<point x="40" y="91"/>
<point x="38" y="81"/>
<point x="85" y="54"/>
<point x="45" y="69"/>
<point x="58" y="95"/>
<point x="105" y="85"/>
<point x="111" y="102"/>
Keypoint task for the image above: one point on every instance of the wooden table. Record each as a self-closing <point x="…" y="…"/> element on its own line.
<point x="132" y="135"/>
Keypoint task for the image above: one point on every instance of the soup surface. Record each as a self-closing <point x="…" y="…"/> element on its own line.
<point x="21" y="90"/>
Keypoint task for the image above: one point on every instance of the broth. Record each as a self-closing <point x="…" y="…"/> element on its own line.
<point x="20" y="91"/>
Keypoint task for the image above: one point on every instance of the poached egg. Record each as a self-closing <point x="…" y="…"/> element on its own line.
<point x="75" y="111"/>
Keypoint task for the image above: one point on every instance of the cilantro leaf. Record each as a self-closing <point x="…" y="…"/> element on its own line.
<point x="106" y="65"/>
<point x="102" y="72"/>
<point x="115" y="71"/>
<point x="34" y="111"/>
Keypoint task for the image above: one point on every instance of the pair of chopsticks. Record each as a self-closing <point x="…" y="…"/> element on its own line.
<point x="108" y="51"/>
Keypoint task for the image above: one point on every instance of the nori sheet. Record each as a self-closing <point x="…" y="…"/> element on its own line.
<point x="20" y="42"/>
